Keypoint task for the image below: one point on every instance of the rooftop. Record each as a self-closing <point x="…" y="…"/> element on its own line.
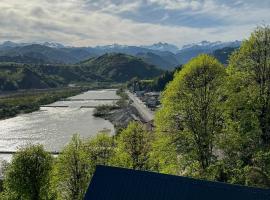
<point x="113" y="183"/>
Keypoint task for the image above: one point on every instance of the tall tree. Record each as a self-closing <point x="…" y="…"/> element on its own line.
<point x="28" y="175"/>
<point x="76" y="164"/>
<point x="71" y="172"/>
<point x="251" y="67"/>
<point x="247" y="111"/>
<point x="191" y="112"/>
<point x="163" y="156"/>
<point x="133" y="147"/>
<point x="100" y="150"/>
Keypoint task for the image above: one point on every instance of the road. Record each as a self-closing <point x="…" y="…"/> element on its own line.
<point x="144" y="111"/>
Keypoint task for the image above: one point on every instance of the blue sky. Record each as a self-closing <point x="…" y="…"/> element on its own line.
<point x="101" y="22"/>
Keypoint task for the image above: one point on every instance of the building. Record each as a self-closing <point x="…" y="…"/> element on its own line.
<point x="139" y="93"/>
<point x="111" y="183"/>
<point x="152" y="99"/>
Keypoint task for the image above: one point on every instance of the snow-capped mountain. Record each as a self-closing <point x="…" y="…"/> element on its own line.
<point x="53" y="45"/>
<point x="111" y="47"/>
<point x="163" y="55"/>
<point x="10" y="44"/>
<point x="211" y="45"/>
<point x="190" y="51"/>
<point x="162" y="47"/>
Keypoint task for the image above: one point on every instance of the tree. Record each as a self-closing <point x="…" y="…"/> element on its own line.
<point x="3" y="168"/>
<point x="100" y="150"/>
<point x="133" y="147"/>
<point x="76" y="164"/>
<point x="161" y="81"/>
<point x="191" y="113"/>
<point x="247" y="111"/>
<point x="71" y="173"/>
<point x="28" y="175"/>
<point x="163" y="156"/>
<point x="250" y="66"/>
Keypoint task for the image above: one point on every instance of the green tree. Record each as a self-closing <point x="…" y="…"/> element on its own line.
<point x="191" y="115"/>
<point x="28" y="175"/>
<point x="100" y="150"/>
<point x="250" y="66"/>
<point x="247" y="111"/>
<point x="163" y="156"/>
<point x="76" y="164"/>
<point x="71" y="173"/>
<point x="133" y="147"/>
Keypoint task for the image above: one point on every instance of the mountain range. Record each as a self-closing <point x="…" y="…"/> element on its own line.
<point x="192" y="50"/>
<point x="163" y="55"/>
<point x="108" y="68"/>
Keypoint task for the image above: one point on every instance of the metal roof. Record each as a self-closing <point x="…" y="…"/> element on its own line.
<point x="111" y="183"/>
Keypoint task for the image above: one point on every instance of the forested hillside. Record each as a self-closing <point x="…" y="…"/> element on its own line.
<point x="121" y="67"/>
<point x="107" y="68"/>
<point x="224" y="54"/>
<point x="38" y="54"/>
<point x="26" y="76"/>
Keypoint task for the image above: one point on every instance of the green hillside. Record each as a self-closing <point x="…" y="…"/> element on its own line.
<point x="121" y="67"/>
<point x="223" y="54"/>
<point x="108" y="68"/>
<point x="26" y="76"/>
<point x="36" y="53"/>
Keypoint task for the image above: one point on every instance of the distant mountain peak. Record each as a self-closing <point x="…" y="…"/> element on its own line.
<point x="47" y="44"/>
<point x="161" y="54"/>
<point x="162" y="46"/>
<point x="192" y="50"/>
<point x="53" y="45"/>
<point x="8" y="43"/>
<point x="112" y="46"/>
<point x="212" y="45"/>
<point x="12" y="44"/>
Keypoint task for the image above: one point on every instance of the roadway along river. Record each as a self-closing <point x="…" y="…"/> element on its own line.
<point x="54" y="126"/>
<point x="145" y="112"/>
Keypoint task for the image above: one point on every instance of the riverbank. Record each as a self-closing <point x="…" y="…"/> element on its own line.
<point x="120" y="114"/>
<point x="30" y="101"/>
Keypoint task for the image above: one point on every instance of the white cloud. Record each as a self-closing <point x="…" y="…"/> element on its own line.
<point x="93" y="22"/>
<point x="179" y="4"/>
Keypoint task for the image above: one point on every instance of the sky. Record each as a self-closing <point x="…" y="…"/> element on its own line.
<point x="130" y="22"/>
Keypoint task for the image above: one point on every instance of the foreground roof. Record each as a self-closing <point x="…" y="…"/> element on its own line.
<point x="111" y="183"/>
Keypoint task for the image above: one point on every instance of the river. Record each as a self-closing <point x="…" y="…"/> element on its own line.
<point x="54" y="126"/>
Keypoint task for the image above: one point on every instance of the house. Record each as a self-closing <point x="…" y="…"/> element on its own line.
<point x="152" y="99"/>
<point x="153" y="94"/>
<point x="151" y="102"/>
<point x="111" y="183"/>
<point x="139" y="93"/>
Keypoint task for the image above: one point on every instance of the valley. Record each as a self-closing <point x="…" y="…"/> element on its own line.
<point x="134" y="99"/>
<point x="54" y="125"/>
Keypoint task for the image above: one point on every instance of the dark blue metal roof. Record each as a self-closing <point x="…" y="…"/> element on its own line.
<point x="111" y="183"/>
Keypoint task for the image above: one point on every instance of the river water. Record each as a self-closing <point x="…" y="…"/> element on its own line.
<point x="54" y="126"/>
